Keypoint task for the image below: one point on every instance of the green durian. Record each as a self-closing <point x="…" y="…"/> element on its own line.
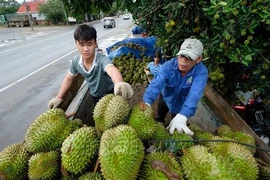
<point x="142" y="120"/>
<point x="237" y="159"/>
<point x="14" y="162"/>
<point x="48" y="131"/>
<point x="178" y="142"/>
<point x="79" y="150"/>
<point x="91" y="176"/>
<point x="161" y="136"/>
<point x="110" y="111"/>
<point x="121" y="153"/>
<point x="149" y="173"/>
<point x="198" y="163"/>
<point x="223" y="130"/>
<point x="44" y="166"/>
<point x="238" y="136"/>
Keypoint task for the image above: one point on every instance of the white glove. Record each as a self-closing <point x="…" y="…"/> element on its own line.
<point x="123" y="89"/>
<point x="179" y="122"/>
<point x="54" y="102"/>
<point x="147" y="73"/>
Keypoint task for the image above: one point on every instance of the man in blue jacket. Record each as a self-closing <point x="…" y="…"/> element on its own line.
<point x="181" y="82"/>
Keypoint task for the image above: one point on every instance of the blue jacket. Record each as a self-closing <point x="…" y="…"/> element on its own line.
<point x="181" y="94"/>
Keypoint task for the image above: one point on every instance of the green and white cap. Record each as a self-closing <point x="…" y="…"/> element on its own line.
<point x="192" y="48"/>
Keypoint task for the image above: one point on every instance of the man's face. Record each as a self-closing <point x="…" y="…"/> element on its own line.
<point x="185" y="64"/>
<point x="86" y="48"/>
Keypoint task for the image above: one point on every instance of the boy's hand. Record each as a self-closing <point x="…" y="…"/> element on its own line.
<point x="147" y="72"/>
<point x="54" y="102"/>
<point x="123" y="89"/>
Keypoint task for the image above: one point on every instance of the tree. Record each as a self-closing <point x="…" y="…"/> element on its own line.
<point x="8" y="6"/>
<point x="79" y="8"/>
<point x="53" y="11"/>
<point x="235" y="34"/>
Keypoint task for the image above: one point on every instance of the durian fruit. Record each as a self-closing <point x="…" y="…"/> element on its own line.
<point x="91" y="176"/>
<point x="237" y="158"/>
<point x="110" y="111"/>
<point x="198" y="163"/>
<point x="178" y="142"/>
<point x="264" y="172"/>
<point x="238" y="136"/>
<point x="14" y="162"/>
<point x="79" y="150"/>
<point x="148" y="172"/>
<point x="121" y="153"/>
<point x="223" y="130"/>
<point x="161" y="136"/>
<point x="44" y="166"/>
<point x="142" y="120"/>
<point x="200" y="135"/>
<point x="48" y="131"/>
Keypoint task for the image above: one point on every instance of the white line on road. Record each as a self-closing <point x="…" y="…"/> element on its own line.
<point x="15" y="82"/>
<point x="46" y="47"/>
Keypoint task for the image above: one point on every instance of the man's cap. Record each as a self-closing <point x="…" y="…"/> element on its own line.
<point x="192" y="48"/>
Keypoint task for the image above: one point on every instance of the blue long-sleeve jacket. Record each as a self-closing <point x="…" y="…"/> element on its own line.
<point x="181" y="94"/>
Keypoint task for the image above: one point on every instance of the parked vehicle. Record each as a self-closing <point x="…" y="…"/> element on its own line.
<point x="109" y="22"/>
<point x="18" y="20"/>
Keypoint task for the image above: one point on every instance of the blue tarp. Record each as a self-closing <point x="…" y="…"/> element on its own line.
<point x="138" y="30"/>
<point x="147" y="42"/>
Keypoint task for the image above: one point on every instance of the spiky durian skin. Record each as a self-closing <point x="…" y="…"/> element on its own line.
<point x="160" y="137"/>
<point x="264" y="172"/>
<point x="14" y="162"/>
<point x="198" y="163"/>
<point x="149" y="173"/>
<point x="47" y="132"/>
<point x="178" y="142"/>
<point x="142" y="120"/>
<point x="79" y="149"/>
<point x="99" y="112"/>
<point x="110" y="111"/>
<point x="44" y="166"/>
<point x="121" y="153"/>
<point x="240" y="136"/>
<point x="91" y="176"/>
<point x="238" y="159"/>
<point x="223" y="130"/>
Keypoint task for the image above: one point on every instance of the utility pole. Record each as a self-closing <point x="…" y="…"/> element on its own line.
<point x="29" y="19"/>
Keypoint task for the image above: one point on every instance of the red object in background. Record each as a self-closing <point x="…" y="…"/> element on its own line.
<point x="144" y="34"/>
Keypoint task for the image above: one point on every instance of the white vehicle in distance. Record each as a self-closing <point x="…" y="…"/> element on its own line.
<point x="126" y="17"/>
<point x="109" y="22"/>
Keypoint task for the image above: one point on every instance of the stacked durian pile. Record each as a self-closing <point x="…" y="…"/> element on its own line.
<point x="130" y="45"/>
<point x="132" y="68"/>
<point x="127" y="144"/>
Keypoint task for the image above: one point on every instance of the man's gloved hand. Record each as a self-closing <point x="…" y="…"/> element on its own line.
<point x="147" y="73"/>
<point x="54" y="102"/>
<point x="179" y="122"/>
<point x="123" y="89"/>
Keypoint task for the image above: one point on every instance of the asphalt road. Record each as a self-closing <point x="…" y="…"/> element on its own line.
<point x="32" y="67"/>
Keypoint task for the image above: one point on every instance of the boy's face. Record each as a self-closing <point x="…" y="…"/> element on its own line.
<point x="86" y="48"/>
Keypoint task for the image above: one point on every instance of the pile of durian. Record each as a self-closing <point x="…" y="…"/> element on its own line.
<point x="127" y="144"/>
<point x="129" y="45"/>
<point x="132" y="68"/>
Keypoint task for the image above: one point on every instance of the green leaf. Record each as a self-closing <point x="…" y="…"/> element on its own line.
<point x="222" y="3"/>
<point x="248" y="58"/>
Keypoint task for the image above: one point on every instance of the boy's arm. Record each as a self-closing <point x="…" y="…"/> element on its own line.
<point x="120" y="88"/>
<point x="114" y="73"/>
<point x="65" y="85"/>
<point x="64" y="88"/>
